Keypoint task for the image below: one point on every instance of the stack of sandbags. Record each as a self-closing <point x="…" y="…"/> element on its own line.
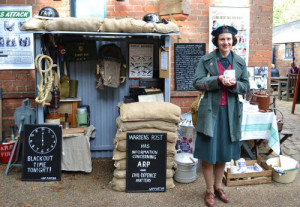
<point x="97" y="24"/>
<point x="145" y="117"/>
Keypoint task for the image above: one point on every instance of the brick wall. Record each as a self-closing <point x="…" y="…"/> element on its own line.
<point x="283" y="64"/>
<point x="193" y="29"/>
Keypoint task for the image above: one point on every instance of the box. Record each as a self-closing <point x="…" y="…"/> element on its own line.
<point x="69" y="106"/>
<point x="265" y="176"/>
<point x="186" y="140"/>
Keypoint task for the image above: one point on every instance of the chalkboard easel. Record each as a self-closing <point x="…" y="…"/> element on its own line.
<point x="42" y="147"/>
<point x="296" y="95"/>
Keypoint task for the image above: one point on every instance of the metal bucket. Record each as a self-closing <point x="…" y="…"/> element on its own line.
<point x="186" y="171"/>
<point x="287" y="177"/>
<point x="6" y="151"/>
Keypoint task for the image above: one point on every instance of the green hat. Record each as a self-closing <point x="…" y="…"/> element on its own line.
<point x="224" y="29"/>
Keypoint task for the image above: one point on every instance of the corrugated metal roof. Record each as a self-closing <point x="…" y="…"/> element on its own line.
<point x="285" y="33"/>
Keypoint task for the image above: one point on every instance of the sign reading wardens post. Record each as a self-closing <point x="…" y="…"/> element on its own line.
<point x="42" y="153"/>
<point x="146" y="162"/>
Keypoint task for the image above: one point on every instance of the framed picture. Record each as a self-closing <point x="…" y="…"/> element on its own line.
<point x="140" y="60"/>
<point x="261" y="77"/>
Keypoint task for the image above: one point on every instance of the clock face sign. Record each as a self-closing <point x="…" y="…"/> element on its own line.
<point x="42" y="140"/>
<point x="42" y="151"/>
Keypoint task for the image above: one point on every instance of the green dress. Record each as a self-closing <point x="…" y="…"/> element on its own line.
<point x="218" y="148"/>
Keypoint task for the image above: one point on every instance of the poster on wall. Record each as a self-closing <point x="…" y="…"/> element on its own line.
<point x="258" y="77"/>
<point x="16" y="46"/>
<point x="140" y="60"/>
<point x="237" y="17"/>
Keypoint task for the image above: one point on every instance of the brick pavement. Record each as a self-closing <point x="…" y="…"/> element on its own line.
<point x="291" y="147"/>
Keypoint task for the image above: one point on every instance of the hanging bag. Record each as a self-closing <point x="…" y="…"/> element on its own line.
<point x="195" y="106"/>
<point x="65" y="84"/>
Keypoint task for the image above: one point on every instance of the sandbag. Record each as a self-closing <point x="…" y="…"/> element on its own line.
<point x="139" y="26"/>
<point x="122" y="173"/>
<point x="150" y="111"/>
<point x="84" y="24"/>
<point x="114" y="25"/>
<point x="166" y="28"/>
<point x="121" y="164"/>
<point x="171" y="136"/>
<point x="120" y="184"/>
<point x="135" y="125"/>
<point x="34" y="24"/>
<point x="118" y="155"/>
<point x="119" y="173"/>
<point x="120" y="145"/>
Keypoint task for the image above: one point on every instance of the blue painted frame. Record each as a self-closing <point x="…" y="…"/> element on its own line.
<point x="288" y="51"/>
<point x="73" y="7"/>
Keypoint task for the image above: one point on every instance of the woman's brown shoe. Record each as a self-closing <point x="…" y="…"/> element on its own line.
<point x="209" y="199"/>
<point x="220" y="193"/>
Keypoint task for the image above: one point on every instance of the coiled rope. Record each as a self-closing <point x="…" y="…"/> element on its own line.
<point x="44" y="89"/>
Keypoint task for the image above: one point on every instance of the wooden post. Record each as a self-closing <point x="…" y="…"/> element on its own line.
<point x="296" y="95"/>
<point x="1" y="114"/>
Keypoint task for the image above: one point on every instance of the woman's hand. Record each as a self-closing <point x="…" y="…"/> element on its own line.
<point x="226" y="81"/>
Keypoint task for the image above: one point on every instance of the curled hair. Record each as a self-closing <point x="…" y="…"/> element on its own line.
<point x="215" y="40"/>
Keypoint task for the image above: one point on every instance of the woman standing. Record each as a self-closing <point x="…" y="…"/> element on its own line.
<point x="220" y="111"/>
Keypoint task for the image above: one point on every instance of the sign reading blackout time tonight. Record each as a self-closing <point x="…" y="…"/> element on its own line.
<point x="42" y="148"/>
<point x="186" y="57"/>
<point x="146" y="162"/>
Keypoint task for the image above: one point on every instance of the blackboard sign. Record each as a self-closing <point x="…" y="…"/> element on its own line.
<point x="146" y="162"/>
<point x="42" y="152"/>
<point x="187" y="55"/>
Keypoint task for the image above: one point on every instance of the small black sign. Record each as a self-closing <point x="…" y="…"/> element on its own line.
<point x="187" y="55"/>
<point x="146" y="162"/>
<point x="42" y="152"/>
<point x="81" y="51"/>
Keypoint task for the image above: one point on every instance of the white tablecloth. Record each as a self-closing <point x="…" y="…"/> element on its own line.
<point x="257" y="125"/>
<point x="76" y="154"/>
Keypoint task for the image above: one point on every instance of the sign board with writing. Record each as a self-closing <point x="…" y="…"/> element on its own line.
<point x="146" y="162"/>
<point x="42" y="152"/>
<point x="80" y="51"/>
<point x="187" y="55"/>
<point x="297" y="94"/>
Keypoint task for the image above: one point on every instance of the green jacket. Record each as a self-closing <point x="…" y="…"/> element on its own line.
<point x="209" y="105"/>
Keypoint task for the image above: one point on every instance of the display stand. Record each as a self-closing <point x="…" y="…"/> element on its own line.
<point x="16" y="149"/>
<point x="296" y="95"/>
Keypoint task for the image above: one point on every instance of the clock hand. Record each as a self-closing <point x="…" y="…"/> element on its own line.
<point x="42" y="138"/>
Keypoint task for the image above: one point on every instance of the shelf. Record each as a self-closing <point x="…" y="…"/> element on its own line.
<point x="70" y="99"/>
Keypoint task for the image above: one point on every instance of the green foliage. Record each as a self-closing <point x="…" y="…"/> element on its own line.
<point x="285" y="11"/>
